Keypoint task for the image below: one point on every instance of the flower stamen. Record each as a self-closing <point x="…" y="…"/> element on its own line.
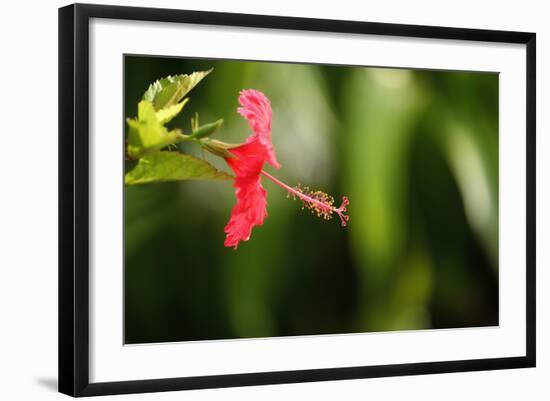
<point x="319" y="202"/>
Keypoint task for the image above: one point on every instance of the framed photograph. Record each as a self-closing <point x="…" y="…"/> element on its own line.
<point x="249" y="199"/>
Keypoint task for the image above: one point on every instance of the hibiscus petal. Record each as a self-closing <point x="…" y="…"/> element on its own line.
<point x="251" y="207"/>
<point x="256" y="108"/>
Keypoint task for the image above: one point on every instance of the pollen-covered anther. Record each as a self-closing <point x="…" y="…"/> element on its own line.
<point x="318" y="202"/>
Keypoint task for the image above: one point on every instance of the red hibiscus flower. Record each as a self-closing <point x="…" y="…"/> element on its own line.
<point x="247" y="162"/>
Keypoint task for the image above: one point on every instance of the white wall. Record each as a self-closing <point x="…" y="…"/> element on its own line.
<point x="28" y="217"/>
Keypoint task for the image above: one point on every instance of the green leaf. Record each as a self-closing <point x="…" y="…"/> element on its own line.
<point x="170" y="90"/>
<point x="172" y="166"/>
<point x="146" y="112"/>
<point x="147" y="134"/>
<point x="168" y="113"/>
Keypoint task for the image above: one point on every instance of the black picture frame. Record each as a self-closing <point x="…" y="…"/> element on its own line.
<point x="74" y="198"/>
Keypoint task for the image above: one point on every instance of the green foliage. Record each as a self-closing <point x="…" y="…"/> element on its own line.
<point x="172" y="166"/>
<point x="147" y="134"/>
<point x="166" y="114"/>
<point x="148" y="138"/>
<point x="169" y="91"/>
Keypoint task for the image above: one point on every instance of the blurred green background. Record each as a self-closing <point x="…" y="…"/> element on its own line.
<point x="416" y="151"/>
